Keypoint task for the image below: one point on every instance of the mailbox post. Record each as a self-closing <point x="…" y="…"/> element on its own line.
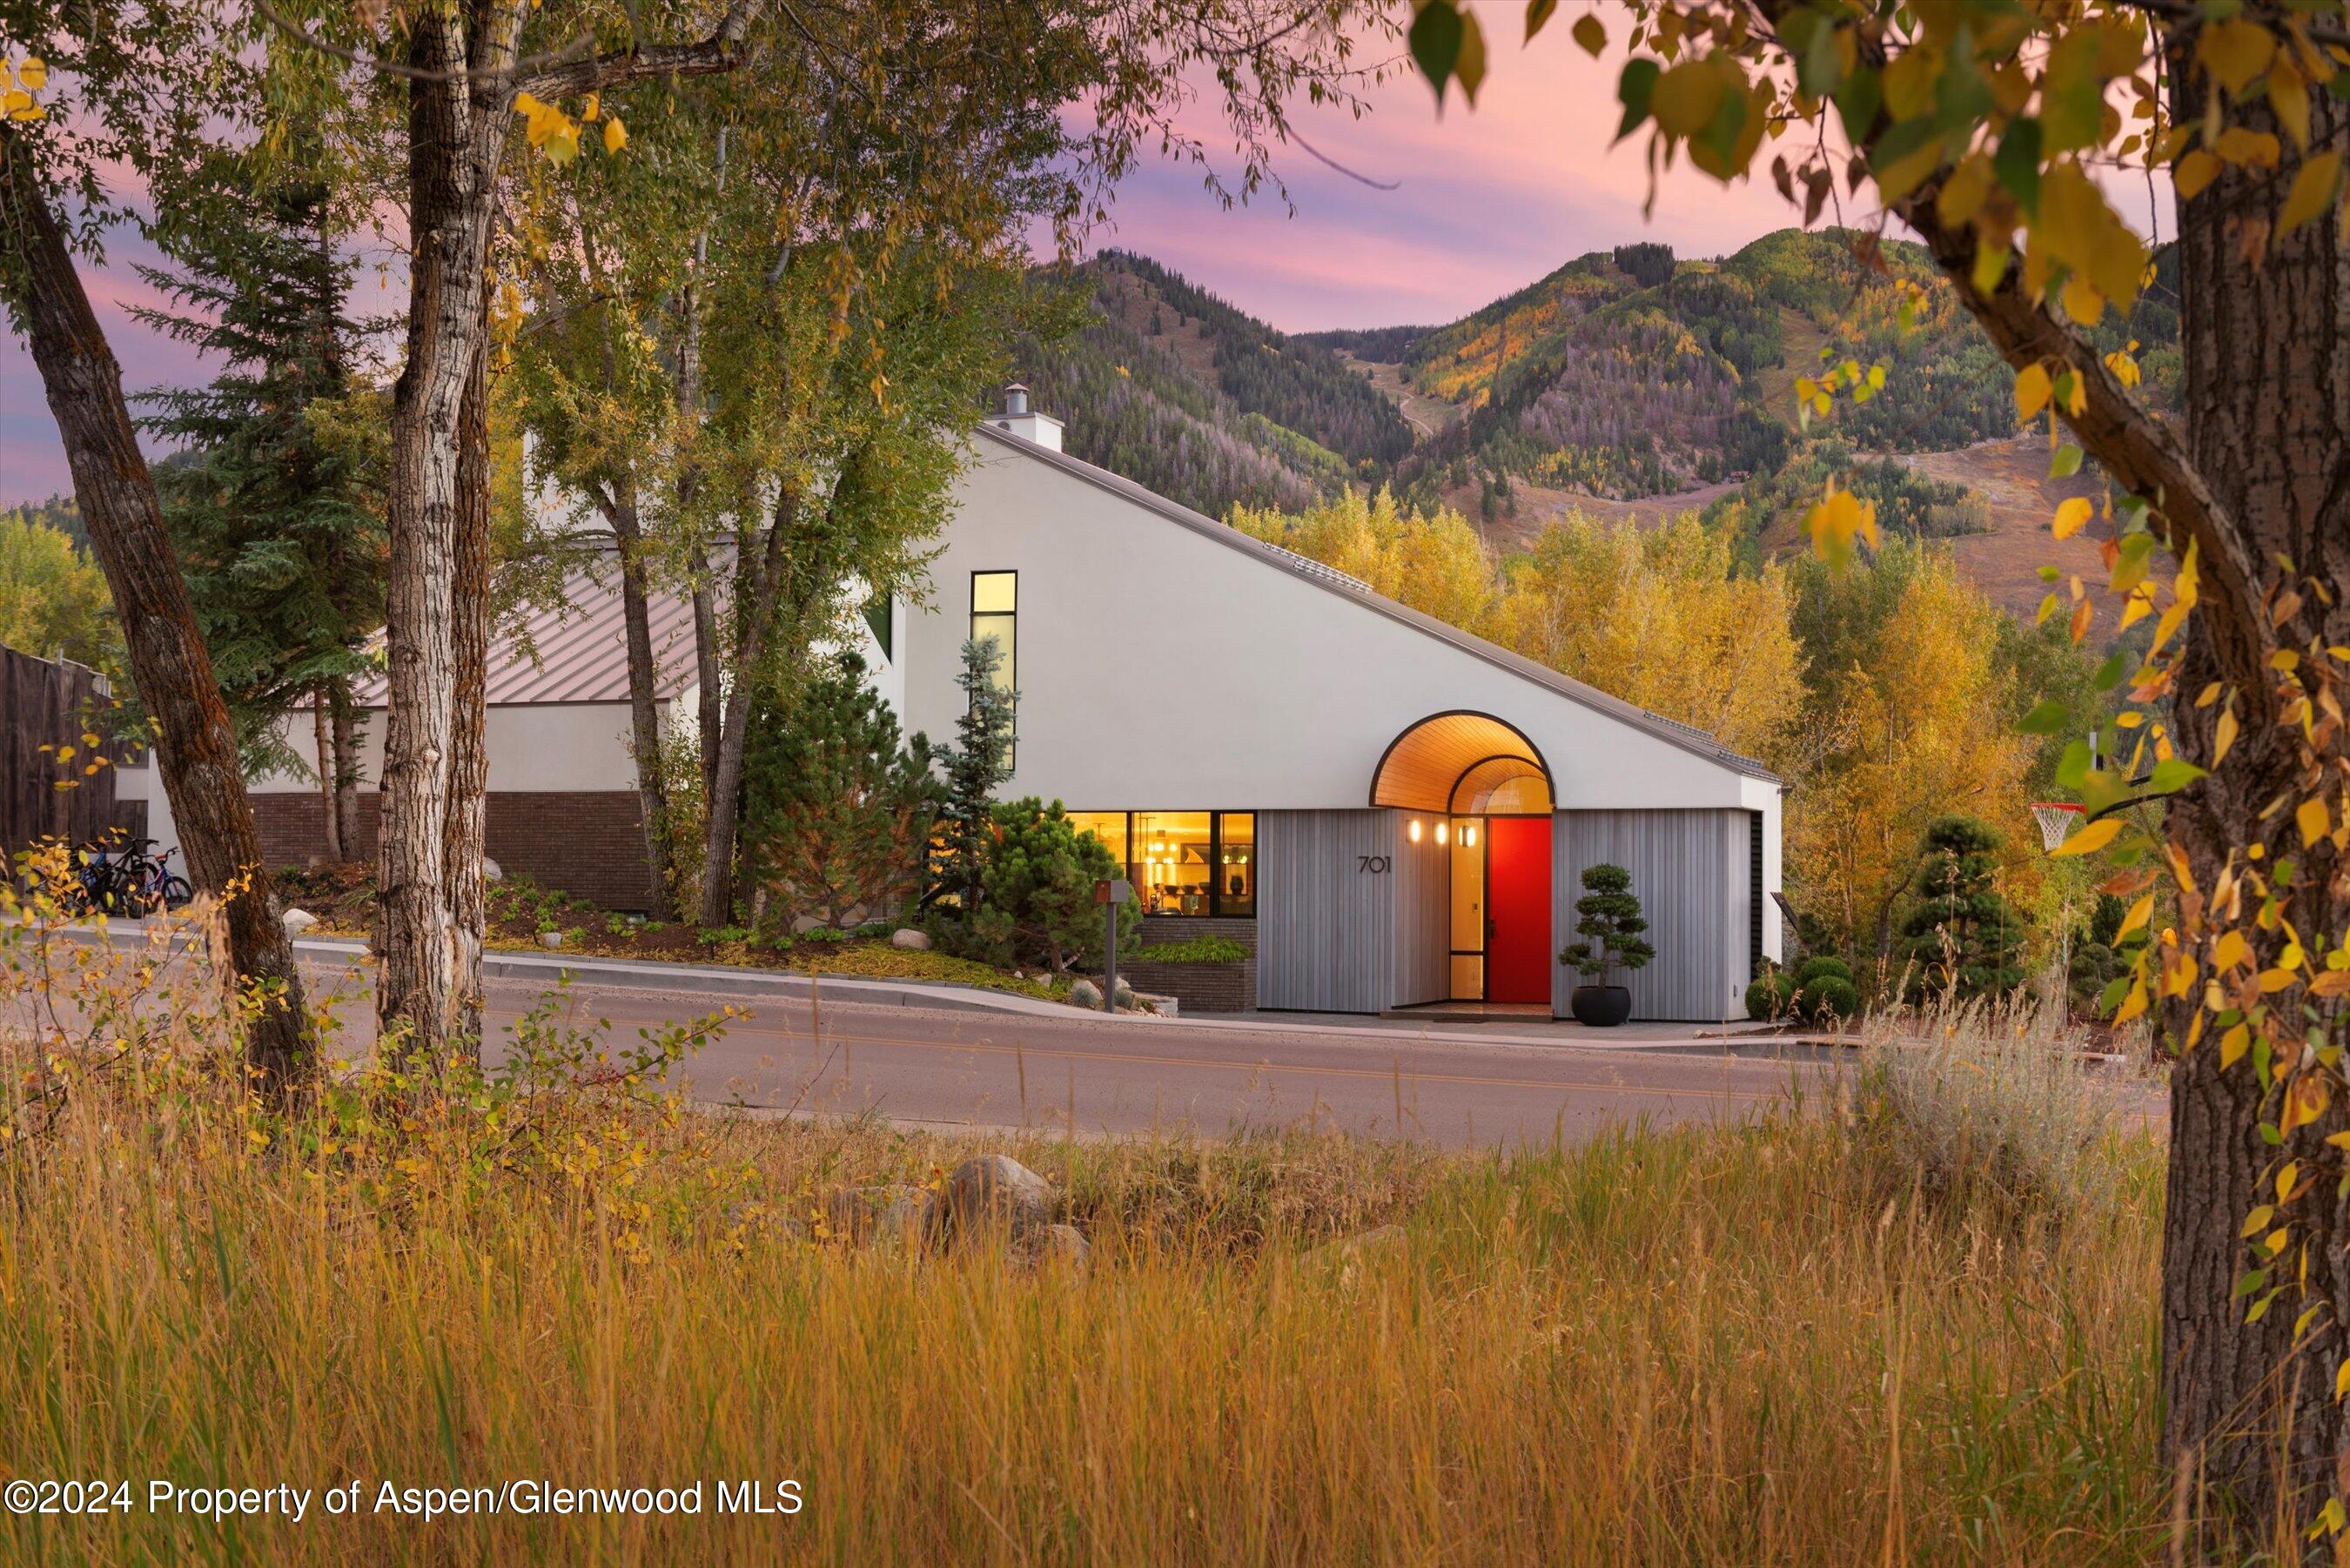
<point x="1109" y="893"/>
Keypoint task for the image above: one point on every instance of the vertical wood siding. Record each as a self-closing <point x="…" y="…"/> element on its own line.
<point x="1325" y="927"/>
<point x="1423" y="915"/>
<point x="1691" y="870"/>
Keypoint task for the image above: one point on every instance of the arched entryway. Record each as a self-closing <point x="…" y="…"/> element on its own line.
<point x="1487" y="791"/>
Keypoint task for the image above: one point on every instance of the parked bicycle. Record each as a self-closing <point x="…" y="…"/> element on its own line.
<point x="126" y="881"/>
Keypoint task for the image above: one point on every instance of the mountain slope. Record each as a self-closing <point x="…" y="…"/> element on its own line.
<point x="1179" y="391"/>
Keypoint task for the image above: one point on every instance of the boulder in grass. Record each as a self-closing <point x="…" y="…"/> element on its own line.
<point x="1062" y="1246"/>
<point x="1345" y="1257"/>
<point x="297" y="921"/>
<point x="912" y="941"/>
<point x="996" y="1190"/>
<point x="1085" y="994"/>
<point x="489" y="872"/>
<point x="550" y="940"/>
<point x="887" y="1216"/>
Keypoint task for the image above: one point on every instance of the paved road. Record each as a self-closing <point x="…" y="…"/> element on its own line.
<point x="1125" y="1075"/>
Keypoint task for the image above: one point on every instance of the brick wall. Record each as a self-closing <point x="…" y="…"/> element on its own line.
<point x="1201" y="987"/>
<point x="590" y="845"/>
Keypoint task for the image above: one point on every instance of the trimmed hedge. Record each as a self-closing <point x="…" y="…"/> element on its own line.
<point x="1824" y="966"/>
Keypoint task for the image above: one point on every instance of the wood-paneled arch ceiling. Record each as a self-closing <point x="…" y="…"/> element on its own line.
<point x="1462" y="763"/>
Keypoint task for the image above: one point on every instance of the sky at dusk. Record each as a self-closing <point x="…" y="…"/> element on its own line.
<point x="1484" y="201"/>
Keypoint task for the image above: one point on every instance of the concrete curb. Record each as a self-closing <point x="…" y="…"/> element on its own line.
<point x="721" y="981"/>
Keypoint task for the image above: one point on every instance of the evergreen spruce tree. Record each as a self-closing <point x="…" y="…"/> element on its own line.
<point x="1960" y="937"/>
<point x="273" y="509"/>
<point x="837" y="809"/>
<point x="976" y="766"/>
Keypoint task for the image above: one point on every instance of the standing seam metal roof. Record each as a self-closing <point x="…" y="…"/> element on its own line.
<point x="578" y="650"/>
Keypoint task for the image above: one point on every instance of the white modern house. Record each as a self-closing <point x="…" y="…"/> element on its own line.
<point x="1385" y="811"/>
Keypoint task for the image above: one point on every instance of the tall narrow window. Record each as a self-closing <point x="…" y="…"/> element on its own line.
<point x="878" y="616"/>
<point x="994" y="613"/>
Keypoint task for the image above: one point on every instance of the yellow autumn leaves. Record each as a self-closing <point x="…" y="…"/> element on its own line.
<point x="556" y="134"/>
<point x="18" y="83"/>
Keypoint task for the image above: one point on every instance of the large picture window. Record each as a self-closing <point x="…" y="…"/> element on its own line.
<point x="1182" y="862"/>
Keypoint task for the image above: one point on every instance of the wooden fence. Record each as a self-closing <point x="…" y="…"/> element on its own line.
<point x="46" y="707"/>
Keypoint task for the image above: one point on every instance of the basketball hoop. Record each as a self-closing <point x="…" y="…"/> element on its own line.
<point x="2057" y="819"/>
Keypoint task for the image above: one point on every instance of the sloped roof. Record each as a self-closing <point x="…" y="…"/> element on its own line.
<point x="1687" y="737"/>
<point x="577" y="651"/>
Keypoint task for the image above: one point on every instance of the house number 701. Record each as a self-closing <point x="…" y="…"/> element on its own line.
<point x="1373" y="865"/>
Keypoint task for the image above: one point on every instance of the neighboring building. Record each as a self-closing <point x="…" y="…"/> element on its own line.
<point x="1385" y="810"/>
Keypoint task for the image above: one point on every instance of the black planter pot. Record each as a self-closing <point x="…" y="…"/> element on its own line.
<point x="1601" y="1006"/>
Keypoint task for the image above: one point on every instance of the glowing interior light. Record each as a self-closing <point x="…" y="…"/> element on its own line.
<point x="1414" y="830"/>
<point x="1441" y="831"/>
<point x="1468" y="834"/>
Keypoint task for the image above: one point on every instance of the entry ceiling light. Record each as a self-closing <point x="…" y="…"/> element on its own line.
<point x="1442" y="830"/>
<point x="1414" y="830"/>
<point x="1469" y="834"/>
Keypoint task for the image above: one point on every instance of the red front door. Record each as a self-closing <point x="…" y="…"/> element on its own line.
<point x="1517" y="939"/>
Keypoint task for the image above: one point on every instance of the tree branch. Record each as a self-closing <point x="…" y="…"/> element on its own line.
<point x="2143" y="453"/>
<point x="714" y="56"/>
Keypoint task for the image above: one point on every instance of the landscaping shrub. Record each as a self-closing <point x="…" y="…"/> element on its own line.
<point x="837" y="806"/>
<point x="1772" y="995"/>
<point x="1827" y="997"/>
<point x="1985" y="1099"/>
<point x="1197" y="950"/>
<point x="1611" y="925"/>
<point x="1037" y="877"/>
<point x="1822" y="966"/>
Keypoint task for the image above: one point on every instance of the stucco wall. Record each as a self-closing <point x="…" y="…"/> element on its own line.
<point x="1160" y="670"/>
<point x="552" y="747"/>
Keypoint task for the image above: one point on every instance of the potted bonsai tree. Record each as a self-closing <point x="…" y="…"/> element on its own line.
<point x="1611" y="925"/>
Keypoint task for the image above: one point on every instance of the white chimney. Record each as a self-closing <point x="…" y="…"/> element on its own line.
<point x="1017" y="417"/>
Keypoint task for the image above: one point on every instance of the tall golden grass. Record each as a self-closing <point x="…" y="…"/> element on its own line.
<point x="1765" y="1342"/>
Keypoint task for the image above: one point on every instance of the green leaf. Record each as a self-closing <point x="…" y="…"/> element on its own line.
<point x="2048" y="718"/>
<point x="1538" y="13"/>
<point x="2172" y="775"/>
<point x="2066" y="463"/>
<point x="1819" y="68"/>
<point x="2109" y="674"/>
<point x="1633" y="90"/>
<point x="2017" y="164"/>
<point x="2073" y="767"/>
<point x="1435" y="39"/>
<point x="1857" y="100"/>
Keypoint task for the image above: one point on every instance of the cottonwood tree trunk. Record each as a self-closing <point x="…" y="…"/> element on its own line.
<point x="469" y="761"/>
<point x="757" y="578"/>
<point x="457" y="129"/>
<point x="2266" y="411"/>
<point x="2257" y="469"/>
<point x="195" y="746"/>
<point x="460" y="99"/>
<point x="620" y="504"/>
<point x="322" y="742"/>
<point x="347" y="766"/>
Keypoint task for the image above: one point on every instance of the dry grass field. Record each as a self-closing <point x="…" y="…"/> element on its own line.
<point x="1817" y="1337"/>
